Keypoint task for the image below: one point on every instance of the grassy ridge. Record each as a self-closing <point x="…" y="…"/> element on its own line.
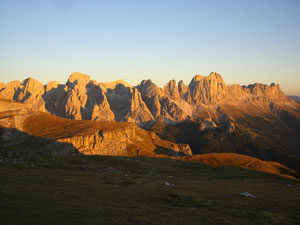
<point x="121" y="190"/>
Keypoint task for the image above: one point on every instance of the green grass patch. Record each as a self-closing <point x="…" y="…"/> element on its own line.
<point x="120" y="190"/>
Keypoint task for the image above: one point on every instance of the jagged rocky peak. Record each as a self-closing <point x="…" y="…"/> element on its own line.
<point x="208" y="89"/>
<point x="146" y="83"/>
<point x="182" y="88"/>
<point x="138" y="111"/>
<point x="171" y="89"/>
<point x="215" y="75"/>
<point x="184" y="92"/>
<point x="237" y="92"/>
<point x="113" y="84"/>
<point x="30" y="92"/>
<point x="32" y="85"/>
<point x="8" y="91"/>
<point x="149" y="89"/>
<point x="78" y="78"/>
<point x="265" y="92"/>
<point x="214" y="80"/>
<point x="2" y="85"/>
<point x="13" y="84"/>
<point x="198" y="77"/>
<point x="51" y="85"/>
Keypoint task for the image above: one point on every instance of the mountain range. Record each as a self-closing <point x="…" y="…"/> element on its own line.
<point x="83" y="98"/>
<point x="257" y="120"/>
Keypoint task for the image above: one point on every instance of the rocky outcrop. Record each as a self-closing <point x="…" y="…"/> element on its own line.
<point x="262" y="92"/>
<point x="114" y="142"/>
<point x="171" y="90"/>
<point x="2" y="86"/>
<point x="151" y="95"/>
<point x="160" y="103"/>
<point x="126" y="103"/>
<point x="207" y="124"/>
<point x="29" y="92"/>
<point x="9" y="90"/>
<point x="184" y="92"/>
<point x="208" y="89"/>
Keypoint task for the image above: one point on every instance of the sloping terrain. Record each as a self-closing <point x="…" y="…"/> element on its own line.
<point x="217" y="141"/>
<point x="231" y="159"/>
<point x="296" y="98"/>
<point x="30" y="132"/>
<point x="36" y="132"/>
<point x="139" y="190"/>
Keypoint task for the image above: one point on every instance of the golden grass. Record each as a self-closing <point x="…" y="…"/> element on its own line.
<point x="232" y="159"/>
<point x="53" y="127"/>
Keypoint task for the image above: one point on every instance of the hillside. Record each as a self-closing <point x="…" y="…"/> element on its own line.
<point x="26" y="132"/>
<point x="269" y="146"/>
<point x="296" y="98"/>
<point x="139" y="190"/>
<point x="231" y="159"/>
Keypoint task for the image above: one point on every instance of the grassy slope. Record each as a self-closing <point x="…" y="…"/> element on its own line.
<point x="119" y="190"/>
<point x="53" y="127"/>
<point x="231" y="159"/>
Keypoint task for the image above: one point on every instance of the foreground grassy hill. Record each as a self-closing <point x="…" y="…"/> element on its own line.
<point x="138" y="190"/>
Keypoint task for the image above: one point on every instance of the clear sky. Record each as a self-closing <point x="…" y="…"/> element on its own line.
<point x="245" y="41"/>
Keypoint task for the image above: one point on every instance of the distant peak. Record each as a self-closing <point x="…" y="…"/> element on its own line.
<point x="50" y="85"/>
<point x="212" y="75"/>
<point x="32" y="83"/>
<point x="79" y="78"/>
<point x="172" y="83"/>
<point x="198" y="77"/>
<point x="113" y="84"/>
<point x="30" y="80"/>
<point x="146" y="82"/>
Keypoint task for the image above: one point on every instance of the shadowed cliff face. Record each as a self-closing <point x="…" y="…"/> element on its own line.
<point x="15" y="143"/>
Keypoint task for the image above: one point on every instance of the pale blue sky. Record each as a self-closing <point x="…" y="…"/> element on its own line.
<point x="245" y="41"/>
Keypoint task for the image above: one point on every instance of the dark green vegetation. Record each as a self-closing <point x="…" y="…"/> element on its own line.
<point x="217" y="141"/>
<point x="120" y="190"/>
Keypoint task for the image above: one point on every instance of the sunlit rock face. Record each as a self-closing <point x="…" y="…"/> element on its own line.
<point x="84" y="99"/>
<point x="208" y="89"/>
<point x="30" y="91"/>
